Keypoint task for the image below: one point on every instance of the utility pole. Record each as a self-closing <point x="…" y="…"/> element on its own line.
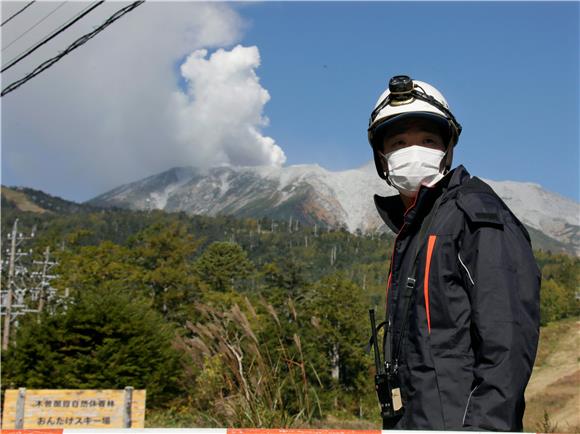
<point x="8" y="301"/>
<point x="45" y="279"/>
<point x="8" y="295"/>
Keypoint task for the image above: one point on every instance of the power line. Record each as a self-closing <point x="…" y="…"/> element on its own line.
<point x="55" y="32"/>
<point x="36" y="24"/>
<point x="80" y="41"/>
<point x="17" y="13"/>
<point x="53" y="35"/>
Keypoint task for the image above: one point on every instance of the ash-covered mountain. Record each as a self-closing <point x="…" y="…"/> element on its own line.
<point x="312" y="194"/>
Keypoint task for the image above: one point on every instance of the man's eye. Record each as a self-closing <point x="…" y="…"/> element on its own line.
<point x="429" y="140"/>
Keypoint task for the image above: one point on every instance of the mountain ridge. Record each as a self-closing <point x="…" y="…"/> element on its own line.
<point x="314" y="195"/>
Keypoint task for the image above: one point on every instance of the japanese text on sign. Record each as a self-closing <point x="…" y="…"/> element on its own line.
<point x="74" y="409"/>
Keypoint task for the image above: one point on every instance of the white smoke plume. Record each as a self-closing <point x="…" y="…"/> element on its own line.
<point x="220" y="115"/>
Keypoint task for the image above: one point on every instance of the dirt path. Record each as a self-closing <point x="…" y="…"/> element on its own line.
<point x="555" y="383"/>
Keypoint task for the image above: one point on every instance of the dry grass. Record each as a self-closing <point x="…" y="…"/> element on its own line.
<point x="553" y="395"/>
<point x="238" y="382"/>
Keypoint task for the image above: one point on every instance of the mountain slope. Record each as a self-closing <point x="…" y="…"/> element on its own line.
<point x="314" y="195"/>
<point x="36" y="201"/>
<point x="542" y="210"/>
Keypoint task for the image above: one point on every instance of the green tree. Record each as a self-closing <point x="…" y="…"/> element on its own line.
<point x="102" y="339"/>
<point x="164" y="257"/>
<point x="337" y="314"/>
<point x="553" y="304"/>
<point x="224" y="266"/>
<point x="157" y="264"/>
<point x="106" y="266"/>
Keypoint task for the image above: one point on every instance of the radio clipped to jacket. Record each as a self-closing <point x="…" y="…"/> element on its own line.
<point x="386" y="382"/>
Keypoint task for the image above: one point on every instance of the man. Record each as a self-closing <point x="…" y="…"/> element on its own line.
<point x="463" y="289"/>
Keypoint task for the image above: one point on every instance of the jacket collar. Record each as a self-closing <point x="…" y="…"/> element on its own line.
<point x="392" y="210"/>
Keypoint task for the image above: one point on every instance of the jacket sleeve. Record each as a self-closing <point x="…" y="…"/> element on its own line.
<point x="503" y="284"/>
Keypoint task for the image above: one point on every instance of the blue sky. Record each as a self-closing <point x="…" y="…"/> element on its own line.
<point x="509" y="70"/>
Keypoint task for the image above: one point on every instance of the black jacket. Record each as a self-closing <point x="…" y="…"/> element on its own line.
<point x="471" y="336"/>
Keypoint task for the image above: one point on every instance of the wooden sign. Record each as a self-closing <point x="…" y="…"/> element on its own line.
<point x="74" y="408"/>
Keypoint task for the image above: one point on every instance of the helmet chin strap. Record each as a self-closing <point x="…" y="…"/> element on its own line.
<point x="385" y="169"/>
<point x="447" y="160"/>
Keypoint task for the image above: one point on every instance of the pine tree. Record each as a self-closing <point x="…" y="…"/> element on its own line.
<point x="224" y="266"/>
<point x="103" y="339"/>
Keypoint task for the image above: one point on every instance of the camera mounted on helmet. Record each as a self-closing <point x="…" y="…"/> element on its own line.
<point x="400" y="87"/>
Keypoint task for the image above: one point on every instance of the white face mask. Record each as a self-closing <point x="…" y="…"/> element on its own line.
<point x="413" y="166"/>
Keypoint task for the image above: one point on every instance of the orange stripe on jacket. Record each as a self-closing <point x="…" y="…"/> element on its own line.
<point x="430" y="247"/>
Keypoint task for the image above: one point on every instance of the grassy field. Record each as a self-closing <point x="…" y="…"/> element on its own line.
<point x="552" y="396"/>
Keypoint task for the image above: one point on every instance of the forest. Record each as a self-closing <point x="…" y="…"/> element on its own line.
<point x="224" y="321"/>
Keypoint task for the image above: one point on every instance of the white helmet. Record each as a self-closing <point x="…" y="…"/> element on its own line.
<point x="406" y="98"/>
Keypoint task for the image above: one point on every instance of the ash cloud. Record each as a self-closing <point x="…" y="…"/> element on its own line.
<point x="113" y="111"/>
